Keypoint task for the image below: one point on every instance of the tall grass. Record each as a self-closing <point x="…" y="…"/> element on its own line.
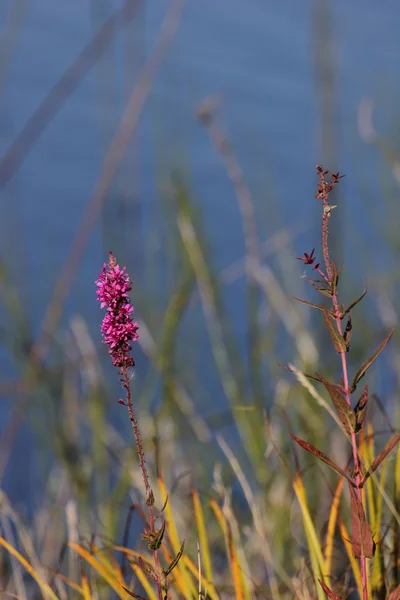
<point x="253" y="525"/>
<point x="258" y="517"/>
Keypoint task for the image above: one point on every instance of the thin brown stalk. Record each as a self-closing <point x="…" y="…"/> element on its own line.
<point x="145" y="475"/>
<point x="324" y="190"/>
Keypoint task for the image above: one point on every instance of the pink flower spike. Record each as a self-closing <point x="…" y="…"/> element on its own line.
<point x="118" y="328"/>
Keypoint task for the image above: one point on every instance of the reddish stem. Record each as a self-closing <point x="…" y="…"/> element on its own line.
<point x="326" y="188"/>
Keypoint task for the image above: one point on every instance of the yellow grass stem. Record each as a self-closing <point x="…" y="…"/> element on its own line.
<point x="202" y="533"/>
<point x="333" y="516"/>
<point x="314" y="546"/>
<point x="44" y="586"/>
<point x="174" y="538"/>
<point x="112" y="578"/>
<point x="237" y="574"/>
<point x="353" y="561"/>
<point x="150" y="593"/>
<point x="86" y="588"/>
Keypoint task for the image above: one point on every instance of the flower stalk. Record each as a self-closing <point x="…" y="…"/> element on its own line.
<point x="324" y="189"/>
<point x="351" y="419"/>
<point x="119" y="330"/>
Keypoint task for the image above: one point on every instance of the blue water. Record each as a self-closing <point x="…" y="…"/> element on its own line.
<point x="260" y="55"/>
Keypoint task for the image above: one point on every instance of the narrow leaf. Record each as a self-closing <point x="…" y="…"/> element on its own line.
<point x="354" y="566"/>
<point x="174" y="538"/>
<point x="177" y="558"/>
<point x="381" y="457"/>
<point x="353" y="304"/>
<point x="344" y="411"/>
<point x="318" y="306"/>
<point x="362" y="542"/>
<point x="133" y="595"/>
<point x="313" y="450"/>
<point x="335" y="277"/>
<point x="330" y="532"/>
<point x="44" y="586"/>
<point x="323" y="281"/>
<point x="363" y="369"/>
<point x="323" y="290"/>
<point x="329" y="592"/>
<point x="101" y="569"/>
<point x="314" y="377"/>
<point x="202" y="534"/>
<point x="85" y="587"/>
<point x="338" y="341"/>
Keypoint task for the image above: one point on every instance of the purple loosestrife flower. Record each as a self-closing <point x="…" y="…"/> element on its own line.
<point x="118" y="328"/>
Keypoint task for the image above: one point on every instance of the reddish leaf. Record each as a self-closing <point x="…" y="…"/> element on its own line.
<point x="329" y="592"/>
<point x="352" y="305"/>
<point x="381" y="457"/>
<point x="132" y="594"/>
<point x="363" y="369"/>
<point x="315" y="378"/>
<point x="337" y="339"/>
<point x="395" y="595"/>
<point x="344" y="411"/>
<point x="361" y="539"/>
<point x="313" y="450"/>
<point x="318" y="306"/>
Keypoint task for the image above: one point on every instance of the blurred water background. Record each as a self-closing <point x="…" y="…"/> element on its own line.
<point x="298" y="82"/>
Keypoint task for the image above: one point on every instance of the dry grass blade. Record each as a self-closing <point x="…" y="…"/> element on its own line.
<point x="44" y="586"/>
<point x="86" y="588"/>
<point x="202" y="533"/>
<point x="333" y="516"/>
<point x="314" y="546"/>
<point x="175" y="542"/>
<point x="236" y="568"/>
<point x="111" y="578"/>
<point x="271" y="565"/>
